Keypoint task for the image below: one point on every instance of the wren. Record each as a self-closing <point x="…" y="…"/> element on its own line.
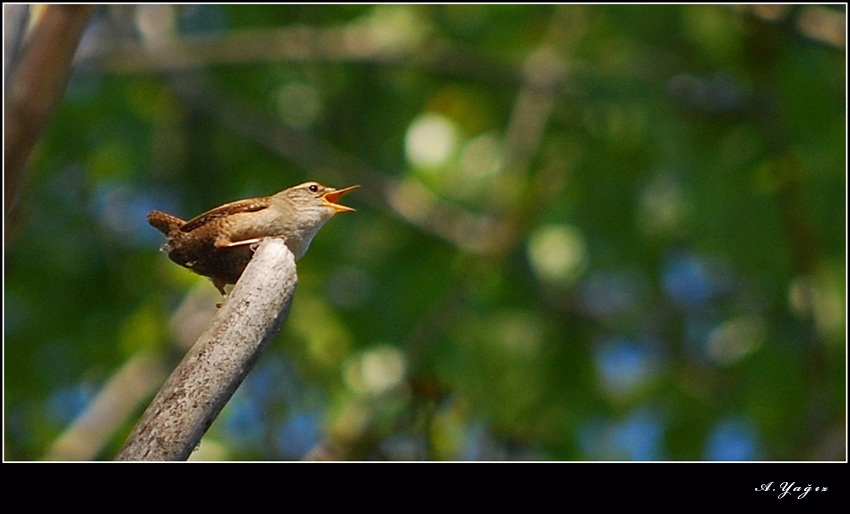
<point x="219" y="243"/>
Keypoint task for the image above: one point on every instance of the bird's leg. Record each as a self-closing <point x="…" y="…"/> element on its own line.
<point x="219" y="284"/>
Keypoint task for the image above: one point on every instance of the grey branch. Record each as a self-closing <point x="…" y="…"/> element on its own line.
<point x="209" y="374"/>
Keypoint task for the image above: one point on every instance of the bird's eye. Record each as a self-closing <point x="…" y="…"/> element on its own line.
<point x="313" y="188"/>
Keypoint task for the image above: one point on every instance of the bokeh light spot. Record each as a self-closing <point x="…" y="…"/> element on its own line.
<point x="735" y="338"/>
<point x="431" y="141"/>
<point x="624" y="366"/>
<point x="732" y="440"/>
<point x="557" y="253"/>
<point x="299" y="104"/>
<point x="376" y="371"/>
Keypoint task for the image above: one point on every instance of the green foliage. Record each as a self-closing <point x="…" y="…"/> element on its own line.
<point x="584" y="232"/>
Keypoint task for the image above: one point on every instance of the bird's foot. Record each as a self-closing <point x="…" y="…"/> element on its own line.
<point x="219" y="284"/>
<point x="256" y="244"/>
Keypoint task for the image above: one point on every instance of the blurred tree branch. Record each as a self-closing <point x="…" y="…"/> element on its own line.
<point x="298" y="44"/>
<point x="131" y="385"/>
<point x="36" y="80"/>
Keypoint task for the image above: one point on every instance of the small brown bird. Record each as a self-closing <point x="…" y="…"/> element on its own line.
<point x="219" y="243"/>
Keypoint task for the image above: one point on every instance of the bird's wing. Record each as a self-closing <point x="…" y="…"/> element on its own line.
<point x="249" y="205"/>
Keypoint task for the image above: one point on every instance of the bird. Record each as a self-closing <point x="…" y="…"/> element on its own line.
<point x="219" y="243"/>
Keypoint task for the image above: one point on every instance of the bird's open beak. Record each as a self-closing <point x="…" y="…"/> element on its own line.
<point x="335" y="194"/>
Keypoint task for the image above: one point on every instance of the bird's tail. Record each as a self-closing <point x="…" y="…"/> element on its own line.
<point x="165" y="223"/>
